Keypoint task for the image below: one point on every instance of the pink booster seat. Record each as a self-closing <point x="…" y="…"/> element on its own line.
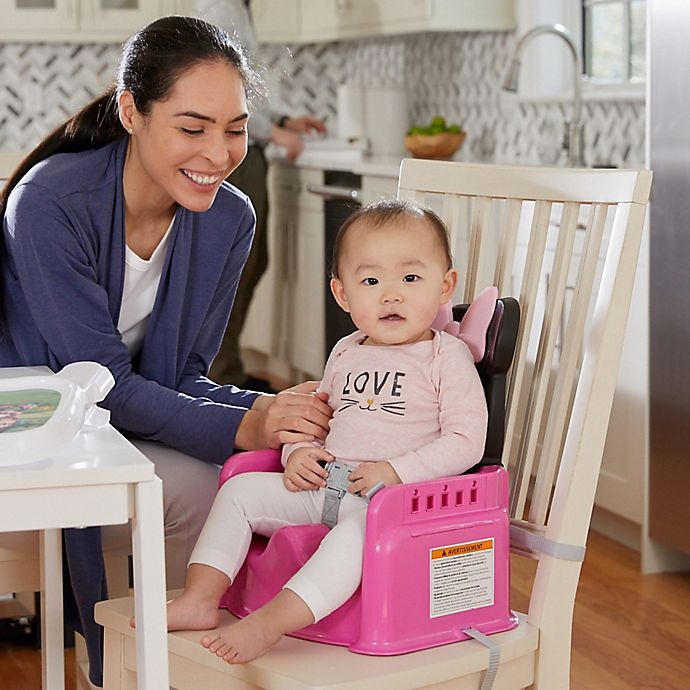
<point x="436" y="555"/>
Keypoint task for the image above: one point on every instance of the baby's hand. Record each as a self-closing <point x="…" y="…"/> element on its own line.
<point x="368" y="474"/>
<point x="302" y="469"/>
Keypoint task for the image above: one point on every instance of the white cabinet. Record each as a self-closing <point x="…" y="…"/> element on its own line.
<point x="308" y="288"/>
<point x="621" y="485"/>
<point x="286" y="321"/>
<point x="329" y="20"/>
<point x="33" y="17"/>
<point x="260" y="328"/>
<point x="78" y="20"/>
<point x="277" y="22"/>
<point x="309" y="21"/>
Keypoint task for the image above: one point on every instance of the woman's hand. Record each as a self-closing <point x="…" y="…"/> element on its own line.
<point x="305" y="124"/>
<point x="289" y="135"/>
<point x="302" y="469"/>
<point x="289" y="140"/>
<point x="368" y="474"/>
<point x="294" y="415"/>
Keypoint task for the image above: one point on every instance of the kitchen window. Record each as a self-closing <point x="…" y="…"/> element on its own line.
<point x="611" y="36"/>
<point x="613" y="40"/>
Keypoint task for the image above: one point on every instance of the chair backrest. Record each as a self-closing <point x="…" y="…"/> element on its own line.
<point x="565" y="243"/>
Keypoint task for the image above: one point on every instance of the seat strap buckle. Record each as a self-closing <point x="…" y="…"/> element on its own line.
<point x="337" y="484"/>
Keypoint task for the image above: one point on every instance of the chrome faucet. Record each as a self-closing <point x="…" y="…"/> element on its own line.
<point x="573" y="141"/>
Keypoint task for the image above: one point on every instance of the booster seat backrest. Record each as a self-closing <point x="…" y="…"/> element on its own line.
<point x="501" y="339"/>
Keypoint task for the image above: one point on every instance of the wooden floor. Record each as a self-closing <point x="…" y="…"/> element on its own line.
<point x="631" y="632"/>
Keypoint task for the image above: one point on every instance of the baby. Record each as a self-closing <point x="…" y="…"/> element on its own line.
<point x="408" y="406"/>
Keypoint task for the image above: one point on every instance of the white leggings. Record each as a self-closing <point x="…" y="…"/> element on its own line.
<point x="259" y="502"/>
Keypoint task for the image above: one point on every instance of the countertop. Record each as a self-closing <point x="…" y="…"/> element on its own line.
<point x="336" y="155"/>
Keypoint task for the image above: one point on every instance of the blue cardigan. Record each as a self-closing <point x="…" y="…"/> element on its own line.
<point x="62" y="280"/>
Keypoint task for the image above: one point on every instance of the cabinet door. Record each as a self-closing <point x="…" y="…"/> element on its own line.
<point x="399" y="16"/>
<point x="328" y="20"/>
<point x="306" y="254"/>
<point x="122" y="17"/>
<point x="276" y="22"/>
<point x="296" y="224"/>
<point x="259" y="329"/>
<point x="27" y="19"/>
<point x="309" y="293"/>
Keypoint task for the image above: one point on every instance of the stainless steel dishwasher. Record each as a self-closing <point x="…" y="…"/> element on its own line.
<point x="341" y="193"/>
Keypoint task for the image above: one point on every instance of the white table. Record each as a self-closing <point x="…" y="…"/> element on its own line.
<point x="98" y="479"/>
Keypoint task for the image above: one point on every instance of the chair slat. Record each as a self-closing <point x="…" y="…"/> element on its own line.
<point x="521" y="376"/>
<point x="553" y="311"/>
<point x="478" y="231"/>
<point x="452" y="206"/>
<point x="506" y="247"/>
<point x="570" y="357"/>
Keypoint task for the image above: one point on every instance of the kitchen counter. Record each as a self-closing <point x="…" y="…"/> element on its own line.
<point x="379" y="166"/>
<point x="337" y="155"/>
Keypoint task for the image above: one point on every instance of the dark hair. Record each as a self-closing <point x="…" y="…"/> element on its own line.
<point x="150" y="63"/>
<point x="390" y="211"/>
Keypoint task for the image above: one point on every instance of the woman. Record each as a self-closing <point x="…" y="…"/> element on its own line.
<point x="124" y="245"/>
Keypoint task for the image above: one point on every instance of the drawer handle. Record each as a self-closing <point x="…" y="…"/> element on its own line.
<point x="335" y="192"/>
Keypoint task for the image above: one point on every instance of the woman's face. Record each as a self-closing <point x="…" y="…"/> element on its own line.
<point x="189" y="143"/>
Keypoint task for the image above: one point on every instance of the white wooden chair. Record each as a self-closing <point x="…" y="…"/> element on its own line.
<point x="565" y="243"/>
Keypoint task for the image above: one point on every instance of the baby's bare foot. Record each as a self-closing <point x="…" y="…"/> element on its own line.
<point x="242" y="641"/>
<point x="188" y="613"/>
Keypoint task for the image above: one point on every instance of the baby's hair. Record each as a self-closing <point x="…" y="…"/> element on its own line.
<point x="389" y="211"/>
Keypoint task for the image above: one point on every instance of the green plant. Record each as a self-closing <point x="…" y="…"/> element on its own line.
<point x="437" y="125"/>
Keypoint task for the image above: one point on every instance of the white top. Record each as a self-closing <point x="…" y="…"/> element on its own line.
<point x="139" y="292"/>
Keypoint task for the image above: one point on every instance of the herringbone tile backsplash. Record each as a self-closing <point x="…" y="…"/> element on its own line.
<point x="454" y="74"/>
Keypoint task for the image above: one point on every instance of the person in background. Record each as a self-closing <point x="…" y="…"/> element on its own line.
<point x="266" y="125"/>
<point x="123" y="244"/>
<point x="408" y="406"/>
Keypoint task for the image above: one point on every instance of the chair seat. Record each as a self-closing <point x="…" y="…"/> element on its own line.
<point x="295" y="664"/>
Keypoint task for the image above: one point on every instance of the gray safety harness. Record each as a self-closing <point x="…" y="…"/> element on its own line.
<point x="337" y="485"/>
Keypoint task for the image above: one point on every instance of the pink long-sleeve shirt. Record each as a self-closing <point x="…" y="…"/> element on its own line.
<point x="421" y="406"/>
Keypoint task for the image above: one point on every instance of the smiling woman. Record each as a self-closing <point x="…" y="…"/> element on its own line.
<point x="123" y="244"/>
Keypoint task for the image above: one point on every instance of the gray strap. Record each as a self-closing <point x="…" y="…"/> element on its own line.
<point x="494" y="656"/>
<point x="525" y="540"/>
<point x="331" y="506"/>
<point x="337" y="484"/>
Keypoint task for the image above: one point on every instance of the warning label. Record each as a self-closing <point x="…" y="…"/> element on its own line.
<point x="461" y="577"/>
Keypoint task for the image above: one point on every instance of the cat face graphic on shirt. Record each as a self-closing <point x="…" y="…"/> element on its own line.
<point x="373" y="391"/>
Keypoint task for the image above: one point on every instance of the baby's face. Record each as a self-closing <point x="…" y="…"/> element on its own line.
<point x="392" y="280"/>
